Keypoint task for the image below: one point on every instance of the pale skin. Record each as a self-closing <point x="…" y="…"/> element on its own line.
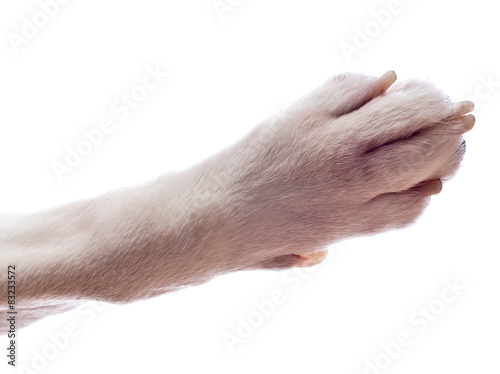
<point x="356" y="156"/>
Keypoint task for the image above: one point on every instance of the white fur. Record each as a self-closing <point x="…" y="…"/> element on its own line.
<point x="336" y="164"/>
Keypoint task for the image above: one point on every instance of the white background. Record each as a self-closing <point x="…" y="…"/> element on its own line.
<point x="225" y="76"/>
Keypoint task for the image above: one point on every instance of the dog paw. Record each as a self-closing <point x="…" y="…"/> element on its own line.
<point x="356" y="156"/>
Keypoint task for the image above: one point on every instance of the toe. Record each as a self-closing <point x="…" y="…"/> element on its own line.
<point x="345" y="93"/>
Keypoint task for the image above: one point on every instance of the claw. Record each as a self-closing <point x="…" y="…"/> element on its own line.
<point x="383" y="83"/>
<point x="465" y="123"/>
<point x="311" y="259"/>
<point x="464" y="107"/>
<point x="429" y="188"/>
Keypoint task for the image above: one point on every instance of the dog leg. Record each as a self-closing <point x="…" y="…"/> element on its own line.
<point x="356" y="156"/>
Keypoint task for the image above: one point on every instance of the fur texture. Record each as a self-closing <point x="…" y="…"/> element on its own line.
<point x="347" y="159"/>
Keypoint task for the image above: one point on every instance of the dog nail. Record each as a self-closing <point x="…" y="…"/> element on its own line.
<point x="465" y="107"/>
<point x="385" y="81"/>
<point x="429" y="188"/>
<point x="312" y="258"/>
<point x="468" y="122"/>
